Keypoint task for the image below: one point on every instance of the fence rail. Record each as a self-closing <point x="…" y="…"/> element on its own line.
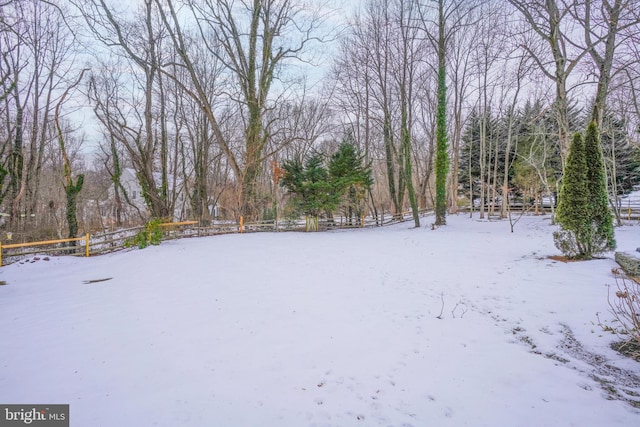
<point x="117" y="240"/>
<point x="45" y="243"/>
<point x="623" y="209"/>
<point x="628" y="210"/>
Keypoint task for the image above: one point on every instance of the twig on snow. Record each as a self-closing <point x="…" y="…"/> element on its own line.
<point x="463" y="308"/>
<point x="439" y="316"/>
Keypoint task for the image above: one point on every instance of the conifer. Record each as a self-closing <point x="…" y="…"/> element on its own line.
<point x="573" y="213"/>
<point x="599" y="214"/>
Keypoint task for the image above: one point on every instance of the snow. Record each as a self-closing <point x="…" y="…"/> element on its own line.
<point x="630" y="198"/>
<point x="338" y="328"/>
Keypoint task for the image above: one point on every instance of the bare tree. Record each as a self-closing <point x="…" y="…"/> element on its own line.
<point x="439" y="23"/>
<point x="71" y="188"/>
<point x="409" y="48"/>
<point x="387" y="74"/>
<point x="109" y="102"/>
<point x="489" y="48"/>
<point x="138" y="40"/>
<point x="353" y="81"/>
<point x="550" y="22"/>
<point x="522" y="70"/>
<point x="461" y="72"/>
<point x="41" y="52"/>
<point x="603" y="22"/>
<point x="254" y="41"/>
<point x="380" y="70"/>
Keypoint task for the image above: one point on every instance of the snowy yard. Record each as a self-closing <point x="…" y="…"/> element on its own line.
<point x="323" y="329"/>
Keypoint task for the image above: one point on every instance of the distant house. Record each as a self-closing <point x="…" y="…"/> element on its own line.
<point x="133" y="208"/>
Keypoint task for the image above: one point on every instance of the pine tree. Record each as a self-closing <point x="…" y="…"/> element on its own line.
<point x="350" y="176"/>
<point x="314" y="192"/>
<point x="601" y="219"/>
<point x="573" y="212"/>
<point x="620" y="155"/>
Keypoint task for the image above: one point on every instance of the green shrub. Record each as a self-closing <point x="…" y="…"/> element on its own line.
<point x="599" y="212"/>
<point x="151" y="234"/>
<point x="566" y="242"/>
<point x="573" y="212"/>
<point x="583" y="213"/>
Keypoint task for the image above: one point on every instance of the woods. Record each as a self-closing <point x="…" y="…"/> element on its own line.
<point x="192" y="109"/>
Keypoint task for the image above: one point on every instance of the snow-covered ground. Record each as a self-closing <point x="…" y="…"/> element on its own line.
<point x="339" y="328"/>
<point x="630" y="198"/>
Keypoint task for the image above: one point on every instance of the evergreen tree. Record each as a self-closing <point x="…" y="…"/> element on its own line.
<point x="573" y="212"/>
<point x="350" y="177"/>
<point x="534" y="153"/>
<point x="601" y="219"/>
<point x="314" y="192"/>
<point x="583" y="211"/>
<point x="470" y="152"/>
<point x="620" y="155"/>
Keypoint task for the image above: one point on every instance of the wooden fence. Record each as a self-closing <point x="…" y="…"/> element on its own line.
<point x="56" y="249"/>
<point x="629" y="210"/>
<point x="117" y="240"/>
<point x="624" y="210"/>
<point x="97" y="244"/>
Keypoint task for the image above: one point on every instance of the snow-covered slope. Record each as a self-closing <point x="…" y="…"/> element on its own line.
<point x="467" y="325"/>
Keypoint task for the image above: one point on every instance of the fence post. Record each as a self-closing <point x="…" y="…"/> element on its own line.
<point x="241" y="227"/>
<point x="0" y="254"/>
<point x="86" y="244"/>
<point x="362" y="221"/>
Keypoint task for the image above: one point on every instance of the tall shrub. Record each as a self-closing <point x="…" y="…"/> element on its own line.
<point x="572" y="214"/>
<point x="603" y="238"/>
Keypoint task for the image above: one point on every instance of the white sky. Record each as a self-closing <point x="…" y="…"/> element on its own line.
<point x="343" y="10"/>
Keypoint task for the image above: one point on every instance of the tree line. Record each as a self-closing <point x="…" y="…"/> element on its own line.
<point x="446" y="104"/>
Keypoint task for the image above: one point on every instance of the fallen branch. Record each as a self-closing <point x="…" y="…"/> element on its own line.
<point x="86" y="282"/>
<point x="464" y="309"/>
<point x="439" y="316"/>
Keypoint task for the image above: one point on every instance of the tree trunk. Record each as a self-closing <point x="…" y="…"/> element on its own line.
<point x="390" y="164"/>
<point x="16" y="166"/>
<point x="442" y="146"/>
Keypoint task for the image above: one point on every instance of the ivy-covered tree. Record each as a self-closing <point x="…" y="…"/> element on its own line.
<point x="72" y="189"/>
<point x="442" y="144"/>
<point x="313" y="191"/>
<point x="572" y="214"/>
<point x="603" y="236"/>
<point x="351" y="178"/>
